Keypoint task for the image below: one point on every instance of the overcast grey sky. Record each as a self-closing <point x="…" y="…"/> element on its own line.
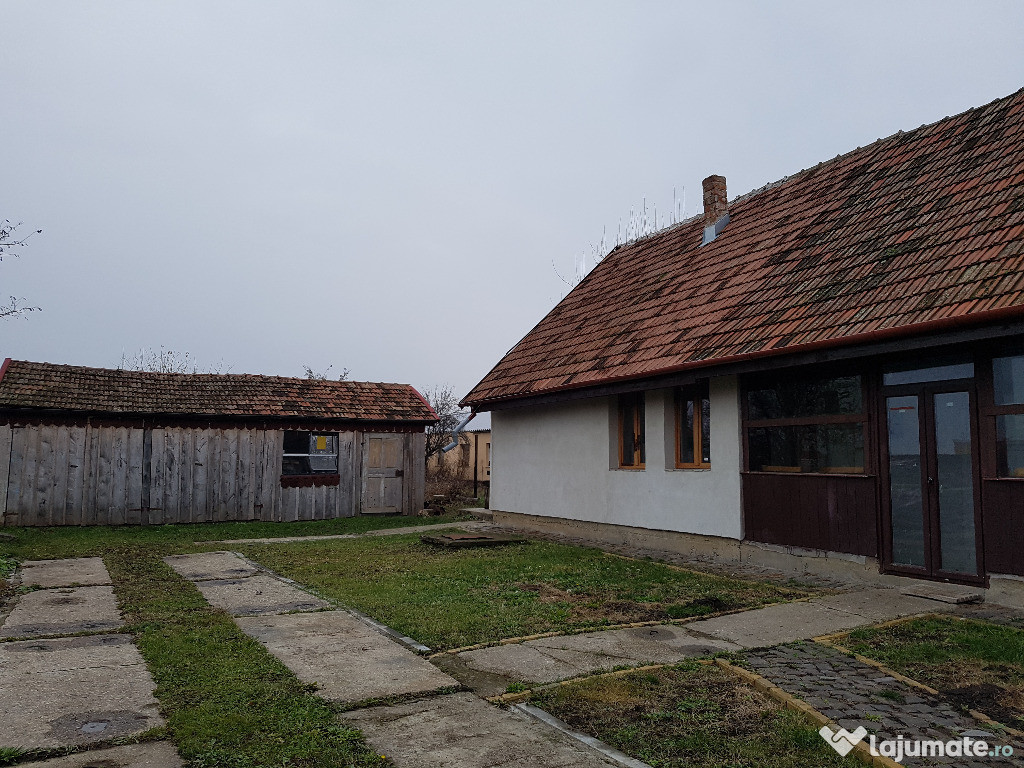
<point x="384" y="186"/>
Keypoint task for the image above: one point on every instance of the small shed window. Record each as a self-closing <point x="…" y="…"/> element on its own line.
<point x="310" y="453"/>
<point x="693" y="427"/>
<point x="632" y="453"/>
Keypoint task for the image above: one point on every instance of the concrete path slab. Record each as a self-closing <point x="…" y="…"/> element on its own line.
<point x="777" y="624"/>
<point x="347" y="660"/>
<point x="556" y="658"/>
<point x="875" y="605"/>
<point x="211" y="565"/>
<point x="258" y="595"/>
<point x="462" y="730"/>
<point x="70" y="572"/>
<point x="155" y="754"/>
<point x="73" y="691"/>
<point x="62" y="612"/>
<point x="466" y="526"/>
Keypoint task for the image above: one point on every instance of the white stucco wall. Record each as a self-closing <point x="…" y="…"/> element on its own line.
<point x="554" y="460"/>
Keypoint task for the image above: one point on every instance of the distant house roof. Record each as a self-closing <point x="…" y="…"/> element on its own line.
<point x="25" y="385"/>
<point x="916" y="232"/>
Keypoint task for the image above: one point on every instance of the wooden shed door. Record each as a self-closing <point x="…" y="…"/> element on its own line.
<point x="383" y="459"/>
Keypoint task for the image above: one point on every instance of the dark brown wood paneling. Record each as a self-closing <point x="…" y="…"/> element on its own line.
<point x="833" y="513"/>
<point x="1003" y="502"/>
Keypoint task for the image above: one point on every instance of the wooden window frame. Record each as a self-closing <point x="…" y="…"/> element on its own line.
<point x="638" y="427"/>
<point x="695" y="393"/>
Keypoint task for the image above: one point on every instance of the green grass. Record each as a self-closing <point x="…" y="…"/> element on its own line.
<point x="688" y="715"/>
<point x="44" y="543"/>
<point x="451" y="598"/>
<point x="976" y="664"/>
<point x="227" y="701"/>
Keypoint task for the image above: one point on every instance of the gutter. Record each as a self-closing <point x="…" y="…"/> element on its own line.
<point x="458" y="429"/>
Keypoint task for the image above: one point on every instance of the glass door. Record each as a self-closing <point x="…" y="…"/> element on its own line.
<point x="932" y="471"/>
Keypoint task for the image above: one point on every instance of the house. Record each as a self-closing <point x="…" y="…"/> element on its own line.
<point x="825" y="375"/>
<point x="92" y="446"/>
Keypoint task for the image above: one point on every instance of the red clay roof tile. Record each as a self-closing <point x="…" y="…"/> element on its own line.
<point x="100" y="390"/>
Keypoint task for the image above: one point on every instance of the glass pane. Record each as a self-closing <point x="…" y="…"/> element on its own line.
<point x="686" y="432"/>
<point x="825" y="448"/>
<point x="934" y="373"/>
<point x="296" y="442"/>
<point x="627" y="420"/>
<point x="1008" y="379"/>
<point x="795" y="397"/>
<point x="956" y="482"/>
<point x="1010" y="445"/>
<point x="773" y="449"/>
<point x="705" y="430"/>
<point x="295" y="465"/>
<point x="905" y="494"/>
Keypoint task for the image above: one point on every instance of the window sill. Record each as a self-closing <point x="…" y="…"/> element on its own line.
<point x="628" y="469"/>
<point x="309" y="481"/>
<point x="687" y="469"/>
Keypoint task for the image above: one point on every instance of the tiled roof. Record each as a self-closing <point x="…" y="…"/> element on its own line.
<point x="101" y="390"/>
<point x="916" y="231"/>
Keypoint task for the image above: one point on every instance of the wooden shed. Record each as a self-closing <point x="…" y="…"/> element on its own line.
<point x="93" y="446"/>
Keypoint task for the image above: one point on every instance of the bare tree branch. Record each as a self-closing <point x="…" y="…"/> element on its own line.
<point x="8" y="245"/>
<point x="309" y="373"/>
<point x="446" y="405"/>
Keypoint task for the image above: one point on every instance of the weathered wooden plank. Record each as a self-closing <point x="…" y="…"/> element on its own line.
<point x="31" y="512"/>
<point x="61" y="460"/>
<point x="90" y="451"/>
<point x="156" y="478"/>
<point x="74" y="493"/>
<point x="16" y="481"/>
<point x="179" y="475"/>
<point x="122" y="469"/>
<point x="232" y="475"/>
<point x="134" y="452"/>
<point x="358" y="471"/>
<point x="45" y="472"/>
<point x="275" y="451"/>
<point x="247" y="474"/>
<point x="200" y="507"/>
<point x="6" y="438"/>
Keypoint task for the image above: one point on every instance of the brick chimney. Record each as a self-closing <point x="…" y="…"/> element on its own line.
<point x="716" y="207"/>
<point x="716" y="203"/>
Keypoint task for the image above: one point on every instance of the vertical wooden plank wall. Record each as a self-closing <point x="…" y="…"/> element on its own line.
<point x="117" y="475"/>
<point x="5" y="468"/>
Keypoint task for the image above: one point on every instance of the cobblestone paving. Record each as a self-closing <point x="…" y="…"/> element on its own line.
<point x="854" y="694"/>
